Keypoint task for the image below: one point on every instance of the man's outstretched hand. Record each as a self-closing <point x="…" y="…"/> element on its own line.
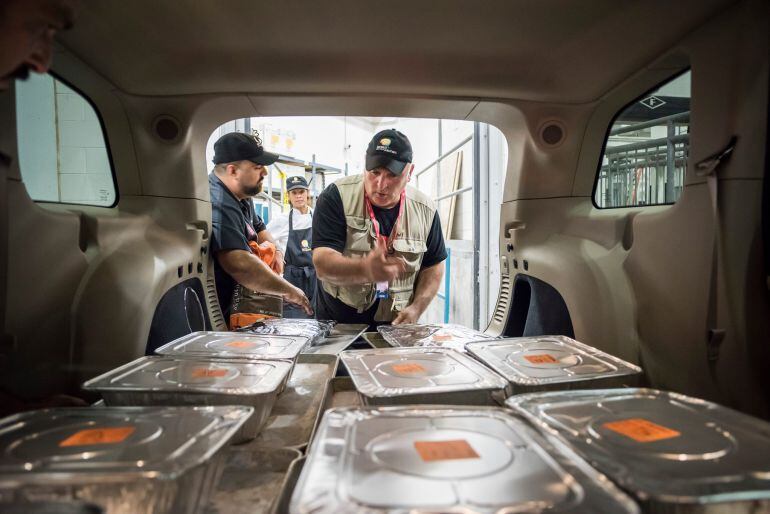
<point x="298" y="298"/>
<point x="410" y="314"/>
<point x="381" y="267"/>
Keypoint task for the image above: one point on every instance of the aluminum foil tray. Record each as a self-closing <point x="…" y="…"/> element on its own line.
<point x="463" y="460"/>
<point x="252" y="480"/>
<point x="238" y="345"/>
<point x="445" y="335"/>
<point x="386" y="376"/>
<point x="293" y="417"/>
<point x="552" y="362"/>
<point x="124" y="460"/>
<point x="315" y="330"/>
<point x="166" y="380"/>
<point x="340" y="338"/>
<point x="673" y="452"/>
<point x="281" y="505"/>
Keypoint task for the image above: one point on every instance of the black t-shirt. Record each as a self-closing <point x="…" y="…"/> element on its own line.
<point x="330" y="231"/>
<point x="233" y="224"/>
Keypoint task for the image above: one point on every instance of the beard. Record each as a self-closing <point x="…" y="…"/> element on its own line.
<point x="254" y="190"/>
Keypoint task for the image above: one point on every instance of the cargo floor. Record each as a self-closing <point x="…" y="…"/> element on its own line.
<point x="254" y="472"/>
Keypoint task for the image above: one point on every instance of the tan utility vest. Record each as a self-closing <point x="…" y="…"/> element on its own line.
<point x="409" y="243"/>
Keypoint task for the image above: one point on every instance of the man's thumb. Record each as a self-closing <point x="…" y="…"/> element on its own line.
<point x="382" y="246"/>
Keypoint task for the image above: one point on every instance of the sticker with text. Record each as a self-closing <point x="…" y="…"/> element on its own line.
<point x="93" y="436"/>
<point x="208" y="373"/>
<point x="431" y="451"/>
<point x="408" y="368"/>
<point x="641" y="430"/>
<point x="240" y="344"/>
<point x="541" y="358"/>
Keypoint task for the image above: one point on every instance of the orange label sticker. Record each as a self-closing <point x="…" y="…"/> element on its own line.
<point x="641" y="430"/>
<point x="408" y="368"/>
<point x="240" y="344"/>
<point x="541" y="358"/>
<point x="208" y="373"/>
<point x="445" y="450"/>
<point x="92" y="436"/>
<point x="441" y="338"/>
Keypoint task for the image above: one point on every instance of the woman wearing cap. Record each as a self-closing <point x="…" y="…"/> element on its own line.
<point x="294" y="235"/>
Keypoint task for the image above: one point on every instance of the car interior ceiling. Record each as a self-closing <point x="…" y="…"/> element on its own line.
<point x="84" y="283"/>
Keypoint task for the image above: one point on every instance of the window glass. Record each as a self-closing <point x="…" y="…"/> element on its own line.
<point x="645" y="155"/>
<point x="63" y="155"/>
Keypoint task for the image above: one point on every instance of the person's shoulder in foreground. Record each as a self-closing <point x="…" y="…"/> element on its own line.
<point x="27" y="30"/>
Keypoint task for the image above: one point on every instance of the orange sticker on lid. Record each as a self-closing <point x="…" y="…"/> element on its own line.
<point x="641" y="430"/>
<point x="208" y="373"/>
<point x="408" y="368"/>
<point x="441" y="338"/>
<point x="240" y="344"/>
<point x="93" y="436"/>
<point x="445" y="450"/>
<point x="541" y="358"/>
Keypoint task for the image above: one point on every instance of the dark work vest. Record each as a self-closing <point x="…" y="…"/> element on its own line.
<point x="299" y="270"/>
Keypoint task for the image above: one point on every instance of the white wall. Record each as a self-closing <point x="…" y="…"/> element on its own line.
<point x="35" y="112"/>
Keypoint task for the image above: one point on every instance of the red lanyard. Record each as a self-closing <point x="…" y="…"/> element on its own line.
<point x="394" y="230"/>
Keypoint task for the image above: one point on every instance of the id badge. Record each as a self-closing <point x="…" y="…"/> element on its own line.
<point x="382" y="290"/>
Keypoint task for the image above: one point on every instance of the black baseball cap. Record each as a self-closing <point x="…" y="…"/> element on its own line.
<point x="389" y="149"/>
<point x="296" y="182"/>
<point x="237" y="146"/>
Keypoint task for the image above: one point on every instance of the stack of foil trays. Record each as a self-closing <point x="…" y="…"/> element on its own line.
<point x="464" y="460"/>
<point x="672" y="452"/>
<point x="399" y="376"/>
<point x="553" y="363"/>
<point x="442" y="335"/>
<point x="130" y="460"/>
<point x="166" y="380"/>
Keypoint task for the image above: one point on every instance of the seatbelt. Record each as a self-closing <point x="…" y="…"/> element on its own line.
<point x="708" y="168"/>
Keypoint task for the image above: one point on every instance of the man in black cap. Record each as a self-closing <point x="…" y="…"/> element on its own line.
<point x="378" y="248"/>
<point x="239" y="169"/>
<point x="294" y="235"/>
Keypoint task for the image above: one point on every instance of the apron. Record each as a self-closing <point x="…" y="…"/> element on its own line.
<point x="299" y="270"/>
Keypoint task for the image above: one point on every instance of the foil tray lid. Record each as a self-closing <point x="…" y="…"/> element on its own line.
<point x="392" y="372"/>
<point x="407" y="459"/>
<point x="197" y="375"/>
<point x="236" y="345"/>
<point x="444" y="335"/>
<point x="548" y="360"/>
<point x="109" y="444"/>
<point x="661" y="446"/>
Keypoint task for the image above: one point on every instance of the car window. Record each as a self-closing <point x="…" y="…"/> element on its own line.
<point x="63" y="154"/>
<point x="646" y="149"/>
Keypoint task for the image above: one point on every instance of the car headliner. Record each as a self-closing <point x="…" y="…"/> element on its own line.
<point x="567" y="51"/>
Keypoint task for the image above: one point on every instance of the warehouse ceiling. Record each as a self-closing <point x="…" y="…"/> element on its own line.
<point x="556" y="50"/>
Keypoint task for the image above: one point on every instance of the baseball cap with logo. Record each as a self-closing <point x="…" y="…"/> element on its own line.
<point x="296" y="183"/>
<point x="389" y="149"/>
<point x="237" y="146"/>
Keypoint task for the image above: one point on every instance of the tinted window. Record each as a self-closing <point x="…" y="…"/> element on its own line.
<point x="646" y="151"/>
